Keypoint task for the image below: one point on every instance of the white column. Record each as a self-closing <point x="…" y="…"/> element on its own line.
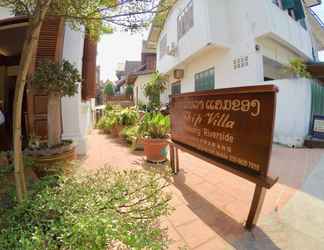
<point x="72" y="106"/>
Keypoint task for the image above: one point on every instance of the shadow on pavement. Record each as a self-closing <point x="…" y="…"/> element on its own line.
<point x="226" y="227"/>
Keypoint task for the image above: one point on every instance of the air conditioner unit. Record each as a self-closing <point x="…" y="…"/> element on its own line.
<point x="178" y="74"/>
<point x="172" y="49"/>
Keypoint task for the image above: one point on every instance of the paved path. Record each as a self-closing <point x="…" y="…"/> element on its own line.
<point x="211" y="205"/>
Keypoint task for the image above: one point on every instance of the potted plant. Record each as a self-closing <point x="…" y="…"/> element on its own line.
<point x="298" y="68"/>
<point x="116" y="118"/>
<point x="154" y="130"/>
<point x="115" y="122"/>
<point x="57" y="80"/>
<point x="125" y="118"/>
<point x="105" y="124"/>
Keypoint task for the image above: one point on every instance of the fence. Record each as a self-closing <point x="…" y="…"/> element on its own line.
<point x="119" y="98"/>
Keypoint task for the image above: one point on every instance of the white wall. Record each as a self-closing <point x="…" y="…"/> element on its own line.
<point x="5" y="13"/>
<point x="199" y="36"/>
<point x="140" y="85"/>
<point x="285" y="29"/>
<point x="293" y="111"/>
<point x="225" y="74"/>
<point x="235" y="25"/>
<point x="74" y="113"/>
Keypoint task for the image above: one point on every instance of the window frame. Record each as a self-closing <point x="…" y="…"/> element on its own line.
<point x="163" y="46"/>
<point x="205" y="80"/>
<point x="178" y="85"/>
<point x="185" y="20"/>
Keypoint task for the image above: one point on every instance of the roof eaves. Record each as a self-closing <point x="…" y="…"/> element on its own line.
<point x="159" y="21"/>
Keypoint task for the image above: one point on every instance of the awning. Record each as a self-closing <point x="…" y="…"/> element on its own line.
<point x="12" y="33"/>
<point x="13" y="21"/>
<point x="316" y="70"/>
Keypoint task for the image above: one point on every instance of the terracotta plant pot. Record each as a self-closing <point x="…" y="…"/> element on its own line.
<point x="115" y="131"/>
<point x="153" y="149"/>
<point x="45" y="160"/>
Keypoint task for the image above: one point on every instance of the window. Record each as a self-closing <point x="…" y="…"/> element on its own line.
<point x="163" y="46"/>
<point x="176" y="88"/>
<point x="205" y="80"/>
<point x="185" y="20"/>
<point x="241" y="62"/>
<point x="150" y="61"/>
<point x="294" y="9"/>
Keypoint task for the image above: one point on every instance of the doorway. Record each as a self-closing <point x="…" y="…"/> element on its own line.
<point x="12" y="33"/>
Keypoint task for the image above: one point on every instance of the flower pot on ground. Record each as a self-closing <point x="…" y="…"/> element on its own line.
<point x="57" y="80"/>
<point x="154" y="130"/>
<point x="116" y="130"/>
<point x="154" y="149"/>
<point x="48" y="161"/>
<point x="116" y="118"/>
<point x="130" y="135"/>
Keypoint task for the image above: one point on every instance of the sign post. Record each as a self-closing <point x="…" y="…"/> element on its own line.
<point x="230" y="128"/>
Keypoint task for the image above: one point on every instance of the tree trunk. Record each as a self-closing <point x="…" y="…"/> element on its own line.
<point x="31" y="41"/>
<point x="54" y="119"/>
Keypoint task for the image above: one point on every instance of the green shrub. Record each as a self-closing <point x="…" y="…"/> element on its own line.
<point x="130" y="134"/>
<point x="90" y="212"/>
<point x="154" y="88"/>
<point x="109" y="108"/>
<point x="129" y="90"/>
<point x="142" y="106"/>
<point x="118" y="116"/>
<point x="298" y="68"/>
<point x="109" y="89"/>
<point x="107" y="122"/>
<point x="56" y="77"/>
<point x="155" y="125"/>
<point x="128" y="116"/>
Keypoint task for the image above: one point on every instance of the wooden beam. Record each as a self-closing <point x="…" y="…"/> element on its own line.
<point x="256" y="205"/>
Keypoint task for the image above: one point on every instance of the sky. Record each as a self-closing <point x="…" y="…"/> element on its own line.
<point x="117" y="48"/>
<point x="120" y="46"/>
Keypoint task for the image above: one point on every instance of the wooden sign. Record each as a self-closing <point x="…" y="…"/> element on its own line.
<point x="234" y="124"/>
<point x="230" y="128"/>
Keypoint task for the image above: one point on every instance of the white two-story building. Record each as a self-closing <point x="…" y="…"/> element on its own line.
<point x="208" y="44"/>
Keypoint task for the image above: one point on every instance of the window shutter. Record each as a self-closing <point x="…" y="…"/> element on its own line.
<point x="50" y="46"/>
<point x="89" y="69"/>
<point x="299" y="10"/>
<point x="317" y="99"/>
<point x="288" y="4"/>
<point x="205" y="80"/>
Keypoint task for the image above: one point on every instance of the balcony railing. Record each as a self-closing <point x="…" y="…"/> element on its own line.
<point x="318" y="19"/>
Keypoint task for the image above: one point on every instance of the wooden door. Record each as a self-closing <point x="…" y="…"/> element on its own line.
<point x="50" y="46"/>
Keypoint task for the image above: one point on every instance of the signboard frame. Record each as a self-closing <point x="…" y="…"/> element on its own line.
<point x="262" y="143"/>
<point x="317" y="134"/>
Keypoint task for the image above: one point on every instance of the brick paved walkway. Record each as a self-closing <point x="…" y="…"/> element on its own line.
<point x="211" y="205"/>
